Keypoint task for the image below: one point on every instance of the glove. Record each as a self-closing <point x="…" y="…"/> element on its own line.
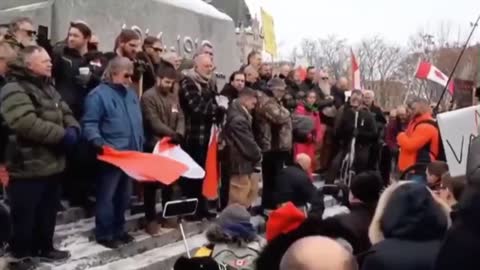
<point x="220" y="114"/>
<point x="97" y="146"/>
<point x="176" y="139"/>
<point x="71" y="137"/>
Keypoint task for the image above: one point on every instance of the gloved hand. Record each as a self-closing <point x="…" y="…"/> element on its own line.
<point x="83" y="79"/>
<point x="220" y="114"/>
<point x="176" y="139"/>
<point x="97" y="146"/>
<point x="71" y="137"/>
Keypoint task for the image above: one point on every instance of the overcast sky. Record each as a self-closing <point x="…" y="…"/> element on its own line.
<point x="356" y="19"/>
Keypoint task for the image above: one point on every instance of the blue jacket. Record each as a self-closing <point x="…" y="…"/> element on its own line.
<point x="112" y="116"/>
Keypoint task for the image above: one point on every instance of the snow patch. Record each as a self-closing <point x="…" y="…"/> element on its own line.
<point x="198" y="6"/>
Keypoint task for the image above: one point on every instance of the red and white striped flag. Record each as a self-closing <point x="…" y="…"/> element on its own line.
<point x="356" y="84"/>
<point x="427" y="71"/>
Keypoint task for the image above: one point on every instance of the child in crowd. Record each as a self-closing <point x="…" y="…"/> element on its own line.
<point x="451" y="189"/>
<point x="435" y="170"/>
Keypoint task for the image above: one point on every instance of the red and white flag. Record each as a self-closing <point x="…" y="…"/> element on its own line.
<point x="427" y="71"/>
<point x="356" y="84"/>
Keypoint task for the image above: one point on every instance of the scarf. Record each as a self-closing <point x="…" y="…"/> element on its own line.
<point x="310" y="108"/>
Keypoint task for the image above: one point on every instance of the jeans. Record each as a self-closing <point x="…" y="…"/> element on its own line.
<point x="34" y="205"/>
<point x="273" y="162"/>
<point x="114" y="188"/>
<point x="150" y="198"/>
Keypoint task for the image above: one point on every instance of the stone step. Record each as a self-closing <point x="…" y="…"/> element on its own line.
<point x="162" y="258"/>
<point x="87" y="253"/>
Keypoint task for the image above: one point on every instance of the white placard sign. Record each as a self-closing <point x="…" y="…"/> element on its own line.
<point x="458" y="128"/>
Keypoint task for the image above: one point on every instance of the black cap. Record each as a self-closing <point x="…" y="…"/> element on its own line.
<point x="367" y="186"/>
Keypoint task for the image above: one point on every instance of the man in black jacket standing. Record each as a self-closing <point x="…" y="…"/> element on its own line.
<point x="243" y="153"/>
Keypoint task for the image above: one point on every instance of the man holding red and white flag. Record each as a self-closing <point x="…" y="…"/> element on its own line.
<point x="427" y="71"/>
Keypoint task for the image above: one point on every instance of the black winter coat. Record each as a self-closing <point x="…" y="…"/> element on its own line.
<point x="407" y="229"/>
<point x="353" y="226"/>
<point x="65" y="71"/>
<point x="294" y="185"/>
<point x="243" y="153"/>
<point x="230" y="92"/>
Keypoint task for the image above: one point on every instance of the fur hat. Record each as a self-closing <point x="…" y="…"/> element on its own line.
<point x="233" y="214"/>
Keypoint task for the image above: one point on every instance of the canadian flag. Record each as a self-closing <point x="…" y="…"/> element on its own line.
<point x="427" y="71"/>
<point x="356" y="84"/>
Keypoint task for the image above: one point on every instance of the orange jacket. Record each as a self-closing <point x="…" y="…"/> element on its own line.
<point x="414" y="139"/>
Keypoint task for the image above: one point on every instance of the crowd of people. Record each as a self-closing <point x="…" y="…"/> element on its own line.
<point x="61" y="105"/>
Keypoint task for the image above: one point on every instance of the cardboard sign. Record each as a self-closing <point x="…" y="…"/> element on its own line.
<point x="458" y="128"/>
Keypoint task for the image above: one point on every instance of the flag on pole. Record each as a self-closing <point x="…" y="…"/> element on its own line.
<point x="269" y="33"/>
<point x="212" y="175"/>
<point x="356" y="84"/>
<point x="427" y="71"/>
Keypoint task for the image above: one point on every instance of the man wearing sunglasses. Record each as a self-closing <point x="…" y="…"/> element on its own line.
<point x="152" y="52"/>
<point x="21" y="33"/>
<point x="113" y="117"/>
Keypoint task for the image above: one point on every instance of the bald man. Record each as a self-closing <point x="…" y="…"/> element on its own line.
<point x="317" y="253"/>
<point x="338" y="91"/>
<point x="293" y="184"/>
<point x="197" y="99"/>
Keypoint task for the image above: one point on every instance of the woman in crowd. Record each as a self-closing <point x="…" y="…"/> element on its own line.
<point x="308" y="108"/>
<point x="407" y="229"/>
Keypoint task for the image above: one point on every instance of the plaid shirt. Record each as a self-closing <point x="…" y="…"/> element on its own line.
<point x="199" y="106"/>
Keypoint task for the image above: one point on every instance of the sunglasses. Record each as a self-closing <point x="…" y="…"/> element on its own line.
<point x="158" y="50"/>
<point x="30" y="33"/>
<point x="128" y="76"/>
<point x="324" y="78"/>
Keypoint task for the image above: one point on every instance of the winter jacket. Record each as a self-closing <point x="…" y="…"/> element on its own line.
<point x="315" y="137"/>
<point x="113" y="117"/>
<point x="407" y="229"/>
<point x="338" y="96"/>
<point x="230" y="92"/>
<point x="394" y="127"/>
<point x="273" y="125"/>
<point x="293" y="184"/>
<point x="307" y="85"/>
<point x="36" y="117"/>
<point x="419" y="143"/>
<point x="473" y="162"/>
<point x="353" y="227"/>
<point x="243" y="153"/>
<point x="197" y="99"/>
<point x="345" y="126"/>
<point x="10" y="40"/>
<point x="461" y="247"/>
<point x="162" y="116"/>
<point x="65" y="73"/>
<point x="380" y="119"/>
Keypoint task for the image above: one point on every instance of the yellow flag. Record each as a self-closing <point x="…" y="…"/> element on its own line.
<point x="269" y="33"/>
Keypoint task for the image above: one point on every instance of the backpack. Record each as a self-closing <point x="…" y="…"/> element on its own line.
<point x="441" y="151"/>
<point x="236" y="257"/>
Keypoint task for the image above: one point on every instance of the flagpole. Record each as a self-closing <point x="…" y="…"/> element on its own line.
<point x="435" y="110"/>
<point x="411" y="82"/>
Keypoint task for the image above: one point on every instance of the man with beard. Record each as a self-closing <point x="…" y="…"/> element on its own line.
<point x="309" y="82"/>
<point x="273" y="131"/>
<point x="197" y="99"/>
<point x="235" y="84"/>
<point x="163" y="117"/>
<point x="265" y="73"/>
<point x="377" y="113"/>
<point x="328" y="111"/>
<point x="20" y="33"/>
<point x="152" y="52"/>
<point x="346" y="128"/>
<point x="252" y="78"/>
<point x="338" y="91"/>
<point x="73" y="80"/>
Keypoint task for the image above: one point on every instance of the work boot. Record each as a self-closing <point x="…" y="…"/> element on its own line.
<point x="110" y="243"/>
<point x="153" y="228"/>
<point x="126" y="239"/>
<point x="54" y="255"/>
